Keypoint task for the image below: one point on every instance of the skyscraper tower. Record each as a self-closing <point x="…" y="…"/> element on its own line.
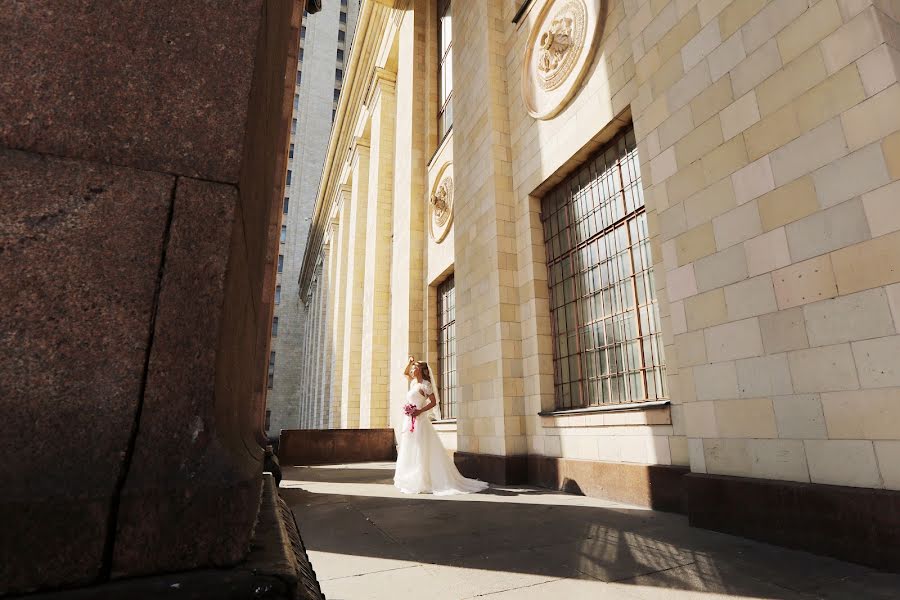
<point x="325" y="39"/>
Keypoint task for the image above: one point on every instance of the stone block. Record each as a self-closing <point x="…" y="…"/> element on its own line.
<point x="672" y="222"/>
<point x="750" y="298"/>
<point x="866" y="415"/>
<point x="700" y="46"/>
<point x="705" y="310"/>
<point x="740" y="115"/>
<point x="823" y="369"/>
<point x="736" y="14"/>
<point x="784" y="330"/>
<point x="812" y="150"/>
<point x="726" y="159"/>
<point x="868" y="264"/>
<point x="699" y="142"/>
<point x="772" y="132"/>
<point x="788" y="203"/>
<point x="784" y="460"/>
<point x="798" y="76"/>
<point x="848" y="318"/>
<point x="683" y="184"/>
<point x="716" y="381"/>
<point x="715" y="200"/>
<point x="675" y="127"/>
<point x="691" y="349"/>
<point x="811" y="27"/>
<point x="737" y="225"/>
<point x="731" y="341"/>
<point x="842" y="462"/>
<point x="753" y="180"/>
<point x="712" y="100"/>
<point x="695" y="453"/>
<point x="882" y="208"/>
<point x="855" y="174"/>
<point x="805" y="282"/>
<point x="720" y="269"/>
<point x="800" y="417"/>
<point x="727" y="56"/>
<point x="767" y="252"/>
<point x="696" y="243"/>
<point x="727" y="456"/>
<point x="756" y="68"/>
<point x="877" y="362"/>
<point x="888" y="455"/>
<point x="873" y="119"/>
<point x="688" y="87"/>
<point x="764" y="376"/>
<point x="82" y="249"/>
<point x="750" y="418"/>
<point x="826" y="230"/>
<point x="893" y="293"/>
<point x="196" y="408"/>
<point x="853" y="40"/>
<point x="776" y="15"/>
<point x="663" y="166"/>
<point x="195" y="125"/>
<point x="838" y="93"/>
<point x="879" y="69"/>
<point x="680" y="283"/>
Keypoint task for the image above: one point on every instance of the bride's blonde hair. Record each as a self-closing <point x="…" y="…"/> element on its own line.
<point x="423" y="367"/>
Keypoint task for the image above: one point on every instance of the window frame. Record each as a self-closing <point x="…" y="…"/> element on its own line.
<point x="448" y="384"/>
<point x="612" y="212"/>
<point x="444" y="60"/>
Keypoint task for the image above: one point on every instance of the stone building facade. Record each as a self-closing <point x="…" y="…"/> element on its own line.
<point x="325" y="39"/>
<point x="669" y="233"/>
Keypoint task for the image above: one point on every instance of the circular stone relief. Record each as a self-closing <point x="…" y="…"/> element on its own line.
<point x="560" y="47"/>
<point x="440" y="204"/>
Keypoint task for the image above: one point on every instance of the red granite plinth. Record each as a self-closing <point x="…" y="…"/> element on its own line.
<point x="80" y="252"/>
<point x="161" y="86"/>
<point x="335" y="446"/>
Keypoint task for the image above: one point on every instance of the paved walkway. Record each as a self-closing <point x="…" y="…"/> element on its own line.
<point x="366" y="540"/>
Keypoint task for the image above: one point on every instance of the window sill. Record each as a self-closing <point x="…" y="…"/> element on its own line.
<point x="444" y="422"/>
<point x="643" y="413"/>
<point x="438" y="151"/>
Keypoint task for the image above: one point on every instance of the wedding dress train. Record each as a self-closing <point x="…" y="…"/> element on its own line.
<point x="423" y="465"/>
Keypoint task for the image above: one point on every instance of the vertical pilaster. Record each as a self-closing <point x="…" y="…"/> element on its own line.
<point x="376" y="288"/>
<point x="340" y="293"/>
<point x="353" y="309"/>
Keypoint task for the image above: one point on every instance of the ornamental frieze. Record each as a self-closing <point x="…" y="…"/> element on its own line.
<point x="440" y="204"/>
<point x="560" y="48"/>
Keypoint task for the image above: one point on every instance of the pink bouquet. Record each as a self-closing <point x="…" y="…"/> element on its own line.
<point x="410" y="411"/>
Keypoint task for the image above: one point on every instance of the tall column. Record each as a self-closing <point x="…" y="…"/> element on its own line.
<point x="407" y="260"/>
<point x="331" y="361"/>
<point x="340" y="295"/>
<point x="376" y="288"/>
<point x="353" y="308"/>
<point x="488" y="342"/>
<point x="319" y="357"/>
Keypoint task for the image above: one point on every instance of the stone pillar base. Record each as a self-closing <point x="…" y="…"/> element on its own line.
<point x="277" y="568"/>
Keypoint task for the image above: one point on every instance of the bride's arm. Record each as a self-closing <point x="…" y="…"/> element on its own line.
<point x="432" y="402"/>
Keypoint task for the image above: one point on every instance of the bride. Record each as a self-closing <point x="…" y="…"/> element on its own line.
<point x="423" y="466"/>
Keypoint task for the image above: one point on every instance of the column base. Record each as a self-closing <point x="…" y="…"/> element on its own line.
<point x="502" y="470"/>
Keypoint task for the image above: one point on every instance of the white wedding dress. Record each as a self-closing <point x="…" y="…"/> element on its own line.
<point x="423" y="465"/>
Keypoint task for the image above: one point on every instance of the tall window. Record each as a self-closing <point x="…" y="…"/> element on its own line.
<point x="274" y="326"/>
<point x="289" y="174"/>
<point x="340" y="55"/>
<point x="291" y="152"/>
<point x="342" y="36"/>
<point x="283" y="233"/>
<point x="445" y="68"/>
<point x="280" y="263"/>
<point x="277" y="295"/>
<point x="293" y="126"/>
<point x="607" y="347"/>
<point x="446" y="313"/>
<point x="271" y="382"/>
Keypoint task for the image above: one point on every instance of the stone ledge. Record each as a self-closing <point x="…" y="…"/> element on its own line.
<point x="335" y="446"/>
<point x="660" y="487"/>
<point x="857" y="524"/>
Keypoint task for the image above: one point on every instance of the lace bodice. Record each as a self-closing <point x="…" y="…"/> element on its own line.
<point x="418" y="393"/>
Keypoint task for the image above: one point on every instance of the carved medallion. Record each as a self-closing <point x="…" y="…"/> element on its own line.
<point x="441" y="204"/>
<point x="560" y="47"/>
